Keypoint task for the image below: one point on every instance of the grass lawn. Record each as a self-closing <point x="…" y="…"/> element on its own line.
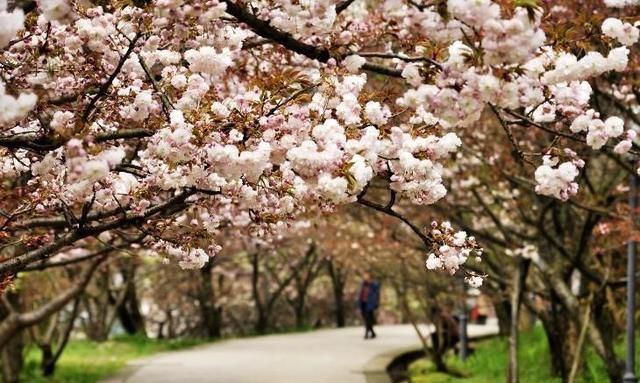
<point x="489" y="363"/>
<point x="85" y="361"/>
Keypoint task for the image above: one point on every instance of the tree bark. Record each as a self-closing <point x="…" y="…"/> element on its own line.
<point x="503" y="312"/>
<point x="556" y="328"/>
<point x="16" y="321"/>
<point x="583" y="332"/>
<point x="265" y="304"/>
<point x="601" y="344"/>
<point x="261" y="321"/>
<point x="519" y="281"/>
<point x="129" y="314"/>
<point x="50" y="359"/>
<point x="338" y="281"/>
<point x="211" y="315"/>
<point x="304" y="275"/>
<point x="11" y="355"/>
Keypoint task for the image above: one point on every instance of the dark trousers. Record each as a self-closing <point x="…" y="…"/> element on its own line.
<point x="367" y="316"/>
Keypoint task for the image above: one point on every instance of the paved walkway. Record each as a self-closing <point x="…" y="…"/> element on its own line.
<point x="323" y="356"/>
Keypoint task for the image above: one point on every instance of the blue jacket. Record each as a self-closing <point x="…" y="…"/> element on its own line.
<point x="373" y="297"/>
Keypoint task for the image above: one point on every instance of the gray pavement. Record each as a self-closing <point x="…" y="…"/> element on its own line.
<point x="323" y="356"/>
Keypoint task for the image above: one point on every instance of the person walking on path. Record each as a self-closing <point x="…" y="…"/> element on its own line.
<point x="368" y="300"/>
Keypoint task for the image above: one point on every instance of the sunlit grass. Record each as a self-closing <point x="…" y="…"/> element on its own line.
<point x="489" y="363"/>
<point x="85" y="361"/>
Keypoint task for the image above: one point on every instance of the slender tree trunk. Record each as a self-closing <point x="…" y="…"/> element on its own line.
<point x="266" y="302"/>
<point x="160" y="334"/>
<point x="50" y="359"/>
<point x="583" y="332"/>
<point x="261" y="324"/>
<point x="438" y="345"/>
<point x="519" y="282"/>
<point x="171" y="331"/>
<point x="46" y="365"/>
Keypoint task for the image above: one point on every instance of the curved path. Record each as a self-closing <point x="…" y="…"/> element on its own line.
<point x="323" y="356"/>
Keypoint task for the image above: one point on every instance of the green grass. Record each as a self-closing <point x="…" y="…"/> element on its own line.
<point x="489" y="363"/>
<point x="85" y="361"/>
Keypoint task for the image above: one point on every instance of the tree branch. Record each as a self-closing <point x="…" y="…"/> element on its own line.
<point x="17" y="321"/>
<point x="264" y="29"/>
<point x="389" y="211"/>
<point x="102" y="91"/>
<point x="15" y="264"/>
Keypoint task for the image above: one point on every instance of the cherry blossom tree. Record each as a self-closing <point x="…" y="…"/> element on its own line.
<point x="170" y="122"/>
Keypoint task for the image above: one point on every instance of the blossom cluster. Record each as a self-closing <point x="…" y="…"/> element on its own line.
<point x="187" y="258"/>
<point x="557" y="180"/>
<point x="621" y="3"/>
<point x="527" y="251"/>
<point x="598" y="131"/>
<point x="626" y="33"/>
<point x="451" y="249"/>
<point x="11" y="22"/>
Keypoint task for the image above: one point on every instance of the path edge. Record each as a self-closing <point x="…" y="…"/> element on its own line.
<point x="375" y="370"/>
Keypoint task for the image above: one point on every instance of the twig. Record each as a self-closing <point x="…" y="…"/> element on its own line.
<point x="102" y="91"/>
<point x="167" y="106"/>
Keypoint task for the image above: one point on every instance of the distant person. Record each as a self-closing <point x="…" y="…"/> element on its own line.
<point x="368" y="300"/>
<point x="449" y="327"/>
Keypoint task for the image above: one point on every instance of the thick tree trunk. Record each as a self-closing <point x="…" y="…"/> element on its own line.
<point x="299" y="309"/>
<point x="129" y="313"/>
<point x="96" y="331"/>
<point x="211" y="315"/>
<point x="503" y="313"/>
<point x="262" y="324"/>
<point x="11" y="355"/>
<point x="556" y="328"/>
<point x="603" y="320"/>
<point x="338" y="281"/>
